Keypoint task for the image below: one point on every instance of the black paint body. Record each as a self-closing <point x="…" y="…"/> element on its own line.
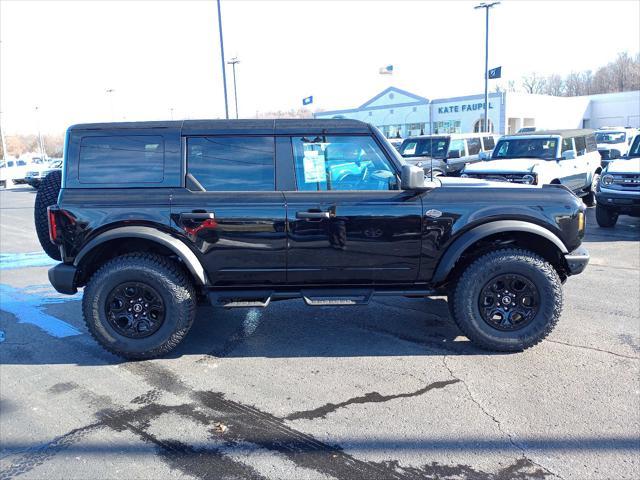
<point x="393" y="238"/>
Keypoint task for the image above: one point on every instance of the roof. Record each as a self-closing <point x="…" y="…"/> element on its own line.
<point x="454" y="135"/>
<point x="259" y="126"/>
<point x="569" y="133"/>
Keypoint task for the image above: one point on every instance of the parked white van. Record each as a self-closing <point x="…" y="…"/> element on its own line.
<point x="567" y="157"/>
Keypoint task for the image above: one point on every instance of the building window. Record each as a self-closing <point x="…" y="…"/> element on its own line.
<point x="413" y="129"/>
<point x="448" y="126"/>
<point x="478" y="126"/>
<point x="391" y="131"/>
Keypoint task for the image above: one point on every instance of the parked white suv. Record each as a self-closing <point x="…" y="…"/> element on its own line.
<point x="567" y="157"/>
<point x="446" y="154"/>
<point x="613" y="142"/>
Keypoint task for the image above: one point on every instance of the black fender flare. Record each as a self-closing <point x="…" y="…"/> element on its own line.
<point x="174" y="244"/>
<point x="457" y="248"/>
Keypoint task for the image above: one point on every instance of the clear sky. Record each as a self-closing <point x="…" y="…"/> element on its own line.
<point x="63" y="56"/>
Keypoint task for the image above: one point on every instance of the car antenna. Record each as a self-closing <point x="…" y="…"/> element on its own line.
<point x="431" y="150"/>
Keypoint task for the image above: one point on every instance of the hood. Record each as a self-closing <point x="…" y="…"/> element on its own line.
<point x="510" y="165"/>
<point x="624" y="165"/>
<point x="475" y="182"/>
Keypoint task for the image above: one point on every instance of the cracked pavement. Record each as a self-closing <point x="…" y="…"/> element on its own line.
<point x="387" y="391"/>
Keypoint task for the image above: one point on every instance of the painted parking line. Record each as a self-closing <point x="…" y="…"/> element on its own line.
<point x="24" y="260"/>
<point x="26" y="304"/>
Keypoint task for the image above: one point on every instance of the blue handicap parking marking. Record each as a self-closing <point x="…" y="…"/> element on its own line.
<point x="23" y="260"/>
<point x="26" y="304"/>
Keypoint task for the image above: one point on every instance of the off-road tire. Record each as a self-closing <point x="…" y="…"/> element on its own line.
<point x="46" y="196"/>
<point x="167" y="278"/>
<point x="466" y="311"/>
<point x="590" y="198"/>
<point x="606" y="217"/>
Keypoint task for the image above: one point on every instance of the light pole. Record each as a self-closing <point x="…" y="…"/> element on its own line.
<point x="171" y="110"/>
<point x="486" y="7"/>
<point x="233" y="63"/>
<point x="4" y="143"/>
<point x="40" y="142"/>
<point x="224" y="74"/>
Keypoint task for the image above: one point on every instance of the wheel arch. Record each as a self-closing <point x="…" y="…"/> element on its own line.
<point x="489" y="236"/>
<point x="121" y="240"/>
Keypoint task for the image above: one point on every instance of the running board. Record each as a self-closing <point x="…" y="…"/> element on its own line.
<point x="317" y="297"/>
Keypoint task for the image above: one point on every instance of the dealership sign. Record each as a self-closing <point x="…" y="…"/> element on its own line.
<point x="466" y="107"/>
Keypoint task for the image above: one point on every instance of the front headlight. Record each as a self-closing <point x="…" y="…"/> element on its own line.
<point x="606" y="180"/>
<point x="528" y="179"/>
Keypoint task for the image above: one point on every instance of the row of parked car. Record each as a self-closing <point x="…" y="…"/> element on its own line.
<point x="602" y="167"/>
<point x="18" y="172"/>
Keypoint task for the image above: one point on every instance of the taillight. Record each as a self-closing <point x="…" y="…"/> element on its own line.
<point x="53" y="227"/>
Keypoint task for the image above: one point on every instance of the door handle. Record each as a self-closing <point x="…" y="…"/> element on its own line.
<point x="197" y="216"/>
<point x="312" y="215"/>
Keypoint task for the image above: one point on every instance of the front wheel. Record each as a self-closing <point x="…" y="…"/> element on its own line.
<point x="508" y="300"/>
<point x="139" y="305"/>
<point x="605" y="217"/>
<point x="590" y="198"/>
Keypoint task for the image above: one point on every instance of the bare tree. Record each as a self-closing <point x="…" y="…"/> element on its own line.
<point x="533" y="83"/>
<point x="621" y="71"/>
<point x="554" y="85"/>
<point x="573" y="85"/>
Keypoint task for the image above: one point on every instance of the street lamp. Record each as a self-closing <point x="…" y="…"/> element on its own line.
<point x="109" y="93"/>
<point x="233" y="63"/>
<point x="40" y="142"/>
<point x="224" y="74"/>
<point x="486" y="7"/>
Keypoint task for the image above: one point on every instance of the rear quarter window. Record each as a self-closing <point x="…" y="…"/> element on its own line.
<point x="473" y="144"/>
<point x="489" y="143"/>
<point x="121" y="159"/>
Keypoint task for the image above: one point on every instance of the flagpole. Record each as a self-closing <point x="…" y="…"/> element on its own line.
<point x="486" y="7"/>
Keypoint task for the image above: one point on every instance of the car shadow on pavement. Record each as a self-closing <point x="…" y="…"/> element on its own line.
<point x="287" y="329"/>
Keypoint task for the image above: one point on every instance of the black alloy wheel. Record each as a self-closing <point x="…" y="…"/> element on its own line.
<point x="135" y="310"/>
<point x="509" y="302"/>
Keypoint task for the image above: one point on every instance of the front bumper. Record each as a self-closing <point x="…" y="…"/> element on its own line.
<point x="63" y="277"/>
<point x="577" y="260"/>
<point x="626" y="202"/>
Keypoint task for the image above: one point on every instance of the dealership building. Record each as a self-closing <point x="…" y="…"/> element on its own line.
<point x="399" y="113"/>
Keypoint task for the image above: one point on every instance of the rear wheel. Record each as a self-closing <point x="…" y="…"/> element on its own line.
<point x="508" y="300"/>
<point x="606" y="217"/>
<point x="47" y="196"/>
<point x="139" y="305"/>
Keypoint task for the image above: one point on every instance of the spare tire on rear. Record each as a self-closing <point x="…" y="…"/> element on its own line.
<point x="47" y="195"/>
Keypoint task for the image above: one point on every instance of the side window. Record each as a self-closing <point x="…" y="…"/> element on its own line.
<point x="121" y="159"/>
<point x="489" y="143"/>
<point x="581" y="145"/>
<point x="458" y="145"/>
<point x="341" y="163"/>
<point x="10" y="163"/>
<point x="227" y="164"/>
<point x="474" y="146"/>
<point x="592" y="146"/>
<point x="567" y="144"/>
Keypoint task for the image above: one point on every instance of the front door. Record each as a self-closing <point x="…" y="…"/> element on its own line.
<point x="231" y="211"/>
<point x="348" y="221"/>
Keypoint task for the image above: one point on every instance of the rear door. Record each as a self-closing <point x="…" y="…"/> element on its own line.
<point x="348" y="221"/>
<point x="230" y="209"/>
<point x="571" y="174"/>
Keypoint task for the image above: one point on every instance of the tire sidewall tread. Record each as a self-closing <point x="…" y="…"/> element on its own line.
<point x="466" y="312"/>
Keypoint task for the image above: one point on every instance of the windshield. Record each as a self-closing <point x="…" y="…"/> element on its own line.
<point x="610" y="137"/>
<point x="526" y="148"/>
<point x="634" y="151"/>
<point x="425" y="147"/>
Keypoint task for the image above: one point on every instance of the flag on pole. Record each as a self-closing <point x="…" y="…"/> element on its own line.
<point x="495" y="73"/>
<point x="388" y="70"/>
<point x="307" y="100"/>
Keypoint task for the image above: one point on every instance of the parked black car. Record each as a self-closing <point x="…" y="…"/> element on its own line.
<point x="154" y="216"/>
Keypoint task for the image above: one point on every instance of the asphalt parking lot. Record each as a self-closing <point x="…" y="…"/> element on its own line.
<point x="387" y="391"/>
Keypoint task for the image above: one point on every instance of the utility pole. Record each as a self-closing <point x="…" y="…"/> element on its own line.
<point x="233" y="63"/>
<point x="171" y="110"/>
<point x="486" y="7"/>
<point x="224" y="73"/>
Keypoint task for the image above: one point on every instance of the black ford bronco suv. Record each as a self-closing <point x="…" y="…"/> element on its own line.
<point x="152" y="218"/>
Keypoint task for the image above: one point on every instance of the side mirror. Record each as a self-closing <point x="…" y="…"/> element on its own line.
<point x="412" y="178"/>
<point x="453" y="154"/>
<point x="484" y="156"/>
<point x="568" y="155"/>
<point x="613" y="154"/>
